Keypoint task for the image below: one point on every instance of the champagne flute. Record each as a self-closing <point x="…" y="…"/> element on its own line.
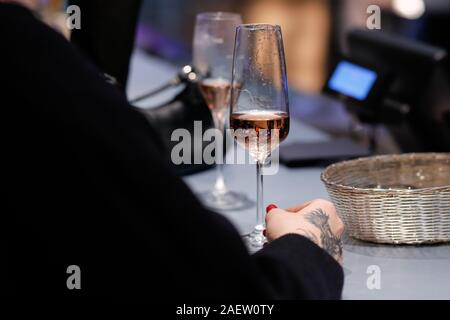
<point x="213" y="57"/>
<point x="259" y="113"/>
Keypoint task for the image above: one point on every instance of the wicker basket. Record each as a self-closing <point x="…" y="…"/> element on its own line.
<point x="394" y="198"/>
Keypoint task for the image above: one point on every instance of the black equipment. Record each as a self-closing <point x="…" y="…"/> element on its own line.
<point x="180" y="113"/>
<point x="388" y="79"/>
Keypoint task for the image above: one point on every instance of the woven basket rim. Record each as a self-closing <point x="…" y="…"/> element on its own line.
<point x="433" y="155"/>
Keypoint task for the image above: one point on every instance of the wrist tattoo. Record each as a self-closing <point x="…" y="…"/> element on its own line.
<point x="328" y="240"/>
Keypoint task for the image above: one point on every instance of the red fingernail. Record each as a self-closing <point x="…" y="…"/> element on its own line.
<point x="264" y="232"/>
<point x="270" y="207"/>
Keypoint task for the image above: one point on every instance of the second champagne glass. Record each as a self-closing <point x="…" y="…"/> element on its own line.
<point x="259" y="112"/>
<point x="213" y="56"/>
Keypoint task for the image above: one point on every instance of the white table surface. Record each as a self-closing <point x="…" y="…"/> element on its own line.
<point x="406" y="272"/>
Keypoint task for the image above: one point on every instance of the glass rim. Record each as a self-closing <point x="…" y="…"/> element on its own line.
<point x="259" y="26"/>
<point x="218" y="15"/>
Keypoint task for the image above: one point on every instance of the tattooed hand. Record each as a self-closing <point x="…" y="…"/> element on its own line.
<point x="316" y="220"/>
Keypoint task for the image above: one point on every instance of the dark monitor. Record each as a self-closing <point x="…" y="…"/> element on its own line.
<point x="408" y="62"/>
<point x="389" y="79"/>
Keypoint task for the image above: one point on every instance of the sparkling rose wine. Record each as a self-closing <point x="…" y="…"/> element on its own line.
<point x="260" y="131"/>
<point x="216" y="93"/>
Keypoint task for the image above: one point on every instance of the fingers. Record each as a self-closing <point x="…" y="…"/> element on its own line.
<point x="270" y="207"/>
<point x="293" y="209"/>
<point x="324" y="204"/>
<point x="299" y="207"/>
<point x="272" y="212"/>
<point x="316" y="220"/>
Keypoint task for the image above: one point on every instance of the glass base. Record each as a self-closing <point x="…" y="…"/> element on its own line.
<point x="255" y="240"/>
<point x="225" y="200"/>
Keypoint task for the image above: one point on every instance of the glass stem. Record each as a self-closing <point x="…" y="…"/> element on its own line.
<point x="259" y="197"/>
<point x="220" y="181"/>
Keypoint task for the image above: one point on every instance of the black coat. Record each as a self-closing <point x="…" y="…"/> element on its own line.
<point x="85" y="183"/>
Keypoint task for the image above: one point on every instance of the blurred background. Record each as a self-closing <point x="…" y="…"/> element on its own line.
<point x="314" y="30"/>
<point x="316" y="38"/>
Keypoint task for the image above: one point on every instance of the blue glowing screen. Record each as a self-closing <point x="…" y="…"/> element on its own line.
<point x="352" y="80"/>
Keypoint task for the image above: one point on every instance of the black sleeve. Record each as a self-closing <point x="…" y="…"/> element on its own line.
<point x="107" y="34"/>
<point x="87" y="185"/>
<point x="298" y="269"/>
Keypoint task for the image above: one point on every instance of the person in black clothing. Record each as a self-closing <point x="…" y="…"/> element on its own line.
<point x="85" y="183"/>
